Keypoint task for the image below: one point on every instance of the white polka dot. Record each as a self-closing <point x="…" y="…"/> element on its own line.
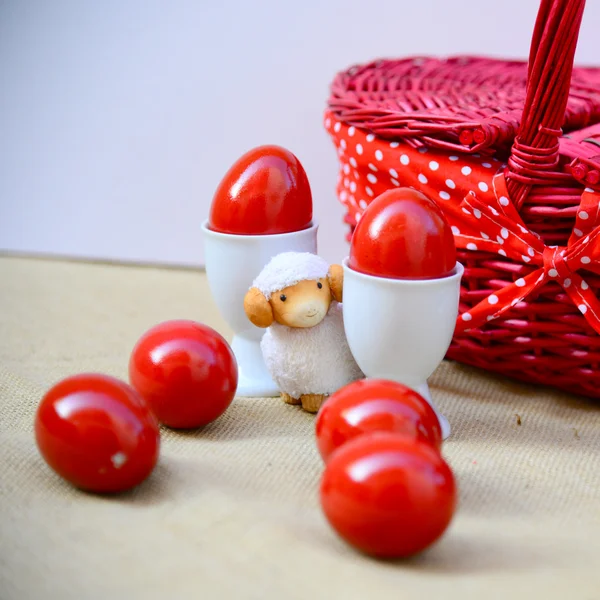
<point x="515" y="302"/>
<point x="500" y="239"/>
<point x="353" y="186"/>
<point x="466" y="316"/>
<point x="504" y="201"/>
<point x="369" y="191"/>
<point x="359" y="149"/>
<point x="483" y="186"/>
<point x="404" y="159"/>
<point x="346" y="182"/>
<point x="370" y="137"/>
<point x="353" y="161"/>
<point x="466" y="170"/>
<point x="531" y="252"/>
<point x="453" y="158"/>
<point x="422" y="150"/>
<point x="422" y="178"/>
<point x="476" y="155"/>
<point x="553" y="273"/>
<point x="586" y="260"/>
<point x="373" y="167"/>
<point x="490" y="317"/>
<point x="477" y="213"/>
<point x="493" y="299"/>
<point x="362" y="203"/>
<point x="523" y="229"/>
<point x="378" y="154"/>
<point x="502" y="252"/>
<point x="504" y="233"/>
<point x="444" y="195"/>
<point x="484" y="235"/>
<point x="455" y="230"/>
<point x="372" y="178"/>
<point x="520" y="282"/>
<point x="590" y="190"/>
<point x="346" y="169"/>
<point x="343" y="195"/>
<point x="337" y="127"/>
<point x="393" y="173"/>
<point x="582" y="308"/>
<point x="357" y="216"/>
<point x="583" y="215"/>
<point x="486" y="165"/>
<point x="466" y="211"/>
<point x="525" y="258"/>
<point x="566" y="282"/>
<point x="394" y="144"/>
<point x="584" y="285"/>
<point x="434" y="165"/>
<point x="356" y="175"/>
<point x="471" y="246"/>
<point x="343" y="144"/>
<point x="494" y="211"/>
<point x="450" y="184"/>
<point x="587" y="239"/>
<point x="395" y="182"/>
<point x="577" y="232"/>
<point x="327" y="123"/>
<point x="351" y="131"/>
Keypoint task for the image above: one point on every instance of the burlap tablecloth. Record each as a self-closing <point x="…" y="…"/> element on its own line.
<point x="232" y="511"/>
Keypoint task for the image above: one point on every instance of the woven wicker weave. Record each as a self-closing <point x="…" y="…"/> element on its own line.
<point x="542" y="120"/>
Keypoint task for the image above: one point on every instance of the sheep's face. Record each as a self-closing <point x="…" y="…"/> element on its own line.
<point x="302" y="305"/>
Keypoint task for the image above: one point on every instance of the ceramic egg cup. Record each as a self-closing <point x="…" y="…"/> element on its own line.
<point x="232" y="263"/>
<point x="401" y="329"/>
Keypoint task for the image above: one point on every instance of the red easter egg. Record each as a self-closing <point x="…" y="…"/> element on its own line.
<point x="185" y="371"/>
<point x="97" y="433"/>
<point x="388" y="495"/>
<point x="370" y="405"/>
<point x="266" y="191"/>
<point x="403" y="235"/>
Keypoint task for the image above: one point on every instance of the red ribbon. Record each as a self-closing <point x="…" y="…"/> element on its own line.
<point x="502" y="230"/>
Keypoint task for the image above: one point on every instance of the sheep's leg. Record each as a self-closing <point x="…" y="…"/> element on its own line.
<point x="312" y="402"/>
<point x="288" y="399"/>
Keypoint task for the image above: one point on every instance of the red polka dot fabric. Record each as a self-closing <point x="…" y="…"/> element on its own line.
<point x="370" y="166"/>
<point x="472" y="192"/>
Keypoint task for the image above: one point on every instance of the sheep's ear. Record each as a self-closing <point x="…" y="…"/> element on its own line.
<point x="336" y="281"/>
<point x="258" y="308"/>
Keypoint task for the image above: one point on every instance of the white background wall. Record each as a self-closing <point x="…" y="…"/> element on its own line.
<point x="119" y="117"/>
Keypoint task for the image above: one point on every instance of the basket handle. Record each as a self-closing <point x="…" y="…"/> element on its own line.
<point x="535" y="151"/>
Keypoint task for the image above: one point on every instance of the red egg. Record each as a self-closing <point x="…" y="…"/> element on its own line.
<point x="97" y="433"/>
<point x="266" y="191"/>
<point x="186" y="372"/>
<point x="370" y="405"/>
<point x="388" y="495"/>
<point x="403" y="235"/>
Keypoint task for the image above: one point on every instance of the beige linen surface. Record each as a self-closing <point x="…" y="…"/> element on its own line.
<point x="232" y="511"/>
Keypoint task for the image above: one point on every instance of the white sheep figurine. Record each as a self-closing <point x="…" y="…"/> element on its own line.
<point x="298" y="296"/>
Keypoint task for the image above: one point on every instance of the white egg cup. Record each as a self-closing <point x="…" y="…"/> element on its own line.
<point x="232" y="263"/>
<point x="401" y="329"/>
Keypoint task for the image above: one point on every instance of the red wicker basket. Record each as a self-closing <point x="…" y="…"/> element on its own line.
<point x="511" y="152"/>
